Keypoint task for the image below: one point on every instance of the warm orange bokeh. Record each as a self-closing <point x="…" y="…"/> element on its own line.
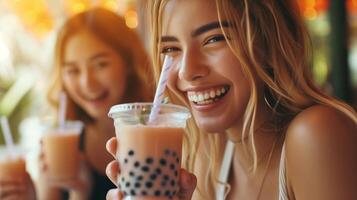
<point x="35" y="15"/>
<point x="312" y="8"/>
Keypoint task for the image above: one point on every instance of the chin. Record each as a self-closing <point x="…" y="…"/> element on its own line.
<point x="212" y="127"/>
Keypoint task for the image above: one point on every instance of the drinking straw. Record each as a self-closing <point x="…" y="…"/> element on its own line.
<point x="159" y="94"/>
<point x="62" y="110"/>
<point x="7" y="133"/>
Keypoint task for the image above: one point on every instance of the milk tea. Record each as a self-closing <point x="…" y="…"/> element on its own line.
<point x="12" y="167"/>
<point x="150" y="160"/>
<point x="61" y="149"/>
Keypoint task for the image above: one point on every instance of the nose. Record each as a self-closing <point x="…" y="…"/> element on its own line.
<point x="192" y="67"/>
<point x="88" y="80"/>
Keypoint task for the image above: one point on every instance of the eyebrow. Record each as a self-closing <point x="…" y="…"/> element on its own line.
<point x="199" y="31"/>
<point x="98" y="55"/>
<point x="208" y="27"/>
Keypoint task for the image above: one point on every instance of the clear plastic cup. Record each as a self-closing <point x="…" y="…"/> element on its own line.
<point x="149" y="155"/>
<point x="12" y="163"/>
<point x="61" y="149"/>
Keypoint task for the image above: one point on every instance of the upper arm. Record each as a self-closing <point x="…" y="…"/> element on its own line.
<point x="321" y="155"/>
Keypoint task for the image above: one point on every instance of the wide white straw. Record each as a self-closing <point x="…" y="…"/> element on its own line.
<point x="62" y="110"/>
<point x="159" y="95"/>
<point x="7" y="134"/>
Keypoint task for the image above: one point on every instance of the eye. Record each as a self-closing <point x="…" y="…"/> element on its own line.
<point x="169" y="50"/>
<point x="101" y="64"/>
<point x="216" y="38"/>
<point x="71" y="71"/>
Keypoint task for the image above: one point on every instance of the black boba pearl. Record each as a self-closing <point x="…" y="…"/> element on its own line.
<point x="173" y="183"/>
<point x="174" y="154"/>
<point x="131" y="173"/>
<point x="177" y="160"/>
<point x="148" y="184"/>
<point x="122" y="179"/>
<point x="172" y="166"/>
<point x="127" y="184"/>
<point x="166" y="177"/>
<point x="163" y="162"/>
<point x="167" y="152"/>
<point x="153" y="176"/>
<point x="139" y="178"/>
<point x="125" y="160"/>
<point x="176" y="173"/>
<point x="137" y="185"/>
<point x="163" y="183"/>
<point x="132" y="192"/>
<point x="149" y="160"/>
<point x="167" y="193"/>
<point x="145" y="168"/>
<point x="131" y="153"/>
<point x="144" y="193"/>
<point x="158" y="171"/>
<point x="157" y="193"/>
<point x="136" y="164"/>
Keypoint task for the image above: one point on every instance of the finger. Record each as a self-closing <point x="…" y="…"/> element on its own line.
<point x="114" y="194"/>
<point x="12" y="197"/>
<point x="10" y="190"/>
<point x="112" y="171"/>
<point x="187" y="183"/>
<point x="112" y="146"/>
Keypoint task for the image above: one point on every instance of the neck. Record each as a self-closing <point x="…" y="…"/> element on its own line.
<point x="104" y="126"/>
<point x="265" y="137"/>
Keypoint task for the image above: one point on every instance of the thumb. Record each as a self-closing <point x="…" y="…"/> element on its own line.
<point x="188" y="182"/>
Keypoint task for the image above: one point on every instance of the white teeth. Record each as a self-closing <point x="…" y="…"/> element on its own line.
<point x="212" y="94"/>
<point x="200" y="97"/>
<point x="206" y="97"/>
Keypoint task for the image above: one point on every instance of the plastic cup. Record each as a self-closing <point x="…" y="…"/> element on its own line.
<point x="12" y="164"/>
<point x="61" y="149"/>
<point x="149" y="155"/>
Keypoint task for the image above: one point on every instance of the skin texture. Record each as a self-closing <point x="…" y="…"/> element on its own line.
<point x="22" y="189"/>
<point x="319" y="141"/>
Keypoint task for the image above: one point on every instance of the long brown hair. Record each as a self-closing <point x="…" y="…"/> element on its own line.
<point x="112" y="30"/>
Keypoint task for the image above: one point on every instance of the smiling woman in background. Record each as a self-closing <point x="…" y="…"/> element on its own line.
<point x="100" y="62"/>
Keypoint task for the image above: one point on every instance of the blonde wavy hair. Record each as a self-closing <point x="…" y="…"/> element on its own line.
<point x="271" y="42"/>
<point x="111" y="29"/>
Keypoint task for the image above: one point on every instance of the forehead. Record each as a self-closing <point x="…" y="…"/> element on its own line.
<point x="187" y="13"/>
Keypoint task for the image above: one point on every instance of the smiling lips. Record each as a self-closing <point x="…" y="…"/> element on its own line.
<point x="207" y="96"/>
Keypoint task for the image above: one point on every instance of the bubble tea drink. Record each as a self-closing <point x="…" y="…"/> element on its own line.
<point x="149" y="154"/>
<point x="12" y="165"/>
<point x="61" y="149"/>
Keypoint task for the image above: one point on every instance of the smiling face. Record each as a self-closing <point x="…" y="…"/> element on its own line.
<point x="207" y="72"/>
<point x="93" y="74"/>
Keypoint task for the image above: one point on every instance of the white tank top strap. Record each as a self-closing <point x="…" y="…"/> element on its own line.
<point x="225" y="168"/>
<point x="283" y="192"/>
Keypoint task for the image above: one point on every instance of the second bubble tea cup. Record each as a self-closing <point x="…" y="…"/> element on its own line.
<point x="149" y="153"/>
<point x="61" y="149"/>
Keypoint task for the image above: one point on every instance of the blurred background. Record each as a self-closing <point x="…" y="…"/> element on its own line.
<point x="28" y="29"/>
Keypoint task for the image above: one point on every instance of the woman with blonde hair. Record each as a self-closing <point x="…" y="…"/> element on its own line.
<point x="242" y="67"/>
<point x="99" y="62"/>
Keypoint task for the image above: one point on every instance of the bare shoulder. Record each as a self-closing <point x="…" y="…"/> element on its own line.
<point x="321" y="154"/>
